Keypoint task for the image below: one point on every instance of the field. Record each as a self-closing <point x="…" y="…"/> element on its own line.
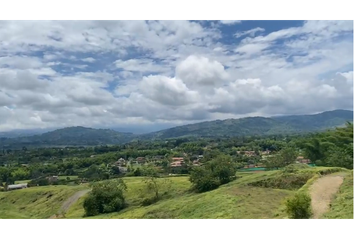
<point x="250" y="196"/>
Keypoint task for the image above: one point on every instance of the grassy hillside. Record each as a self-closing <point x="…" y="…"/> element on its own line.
<point x="36" y="202"/>
<point x="248" y="197"/>
<point x="342" y="205"/>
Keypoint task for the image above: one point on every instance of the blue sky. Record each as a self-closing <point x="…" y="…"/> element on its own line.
<point x="155" y="74"/>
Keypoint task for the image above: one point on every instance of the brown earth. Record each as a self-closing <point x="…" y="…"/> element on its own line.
<point x="322" y="193"/>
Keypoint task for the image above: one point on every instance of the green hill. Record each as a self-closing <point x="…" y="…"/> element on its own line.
<point x="81" y="136"/>
<point x="246" y="197"/>
<point x="71" y="136"/>
<point x="258" y="126"/>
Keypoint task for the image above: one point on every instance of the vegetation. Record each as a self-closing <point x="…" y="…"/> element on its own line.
<point x="331" y="148"/>
<point x="214" y="173"/>
<point x="80" y="136"/>
<point x="342" y="205"/>
<point x="299" y="206"/>
<point x="154" y="179"/>
<point x="105" y="197"/>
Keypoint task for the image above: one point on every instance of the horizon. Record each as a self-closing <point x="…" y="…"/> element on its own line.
<point x="159" y="74"/>
<point x="139" y="132"/>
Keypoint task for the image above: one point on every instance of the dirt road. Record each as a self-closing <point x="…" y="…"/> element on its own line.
<point x="322" y="192"/>
<point x="70" y="201"/>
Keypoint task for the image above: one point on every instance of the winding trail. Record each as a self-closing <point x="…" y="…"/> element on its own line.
<point x="322" y="192"/>
<point x="69" y="202"/>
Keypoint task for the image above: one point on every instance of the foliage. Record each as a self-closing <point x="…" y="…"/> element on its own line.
<point x="333" y="148"/>
<point x="105" y="197"/>
<point x="299" y="207"/>
<point x="214" y="173"/>
<point x="285" y="157"/>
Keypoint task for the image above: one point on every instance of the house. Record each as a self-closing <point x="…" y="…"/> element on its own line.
<point x="196" y="163"/>
<point x="53" y="178"/>
<point x="174" y="159"/>
<point x="16" y="186"/>
<point x="140" y="160"/>
<point x="301" y="159"/>
<point x="177" y="164"/>
<point x="121" y="162"/>
<point x="123" y="169"/>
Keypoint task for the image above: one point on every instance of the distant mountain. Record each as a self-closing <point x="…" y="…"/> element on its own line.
<point x="22" y="133"/>
<point x="71" y="136"/>
<point x="81" y="136"/>
<point x="257" y="126"/>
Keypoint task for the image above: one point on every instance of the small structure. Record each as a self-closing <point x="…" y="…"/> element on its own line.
<point x="120" y="163"/>
<point x="140" y="160"/>
<point x="52" y="178"/>
<point x="301" y="159"/>
<point x="123" y="169"/>
<point x="177" y="162"/>
<point x="16" y="186"/>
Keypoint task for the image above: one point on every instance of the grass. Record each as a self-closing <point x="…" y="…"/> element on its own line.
<point x="35" y="202"/>
<point x="342" y="204"/>
<point x="60" y="178"/>
<point x="235" y="200"/>
<point x="231" y="201"/>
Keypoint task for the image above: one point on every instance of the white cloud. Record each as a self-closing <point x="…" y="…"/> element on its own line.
<point x="230" y="22"/>
<point x="250" y="32"/>
<point x="145" y="72"/>
<point x="89" y="60"/>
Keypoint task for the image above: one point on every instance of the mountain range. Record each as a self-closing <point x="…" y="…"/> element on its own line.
<point x="81" y="136"/>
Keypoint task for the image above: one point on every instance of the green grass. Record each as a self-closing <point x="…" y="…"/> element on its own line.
<point x="22" y="181"/>
<point x="235" y="200"/>
<point x="35" y="202"/>
<point x="342" y="204"/>
<point x="231" y="201"/>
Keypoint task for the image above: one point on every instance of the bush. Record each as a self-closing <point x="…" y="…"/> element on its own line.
<point x="105" y="197"/>
<point x="295" y="167"/>
<point x="299" y="207"/>
<point x="213" y="174"/>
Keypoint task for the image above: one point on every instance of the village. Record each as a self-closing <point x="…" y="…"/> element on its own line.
<point x="175" y="164"/>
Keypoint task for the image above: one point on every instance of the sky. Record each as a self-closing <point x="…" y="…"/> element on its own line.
<point x="149" y="75"/>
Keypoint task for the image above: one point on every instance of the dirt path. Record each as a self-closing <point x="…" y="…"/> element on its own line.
<point x="69" y="202"/>
<point x="322" y="192"/>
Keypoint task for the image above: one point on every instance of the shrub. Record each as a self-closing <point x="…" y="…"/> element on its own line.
<point x="105" y="197"/>
<point x="299" y="207"/>
<point x="295" y="167"/>
<point x="213" y="174"/>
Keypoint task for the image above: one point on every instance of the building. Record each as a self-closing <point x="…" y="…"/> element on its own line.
<point x="301" y="159"/>
<point x="140" y="160"/>
<point x="16" y="186"/>
<point x="123" y="169"/>
<point x="121" y="162"/>
<point x="53" y="178"/>
<point x="177" y="162"/>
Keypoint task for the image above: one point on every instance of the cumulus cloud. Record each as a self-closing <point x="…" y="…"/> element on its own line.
<point x="230" y="22"/>
<point x="108" y="73"/>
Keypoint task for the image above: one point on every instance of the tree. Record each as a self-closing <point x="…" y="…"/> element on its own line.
<point x="105" y="197"/>
<point x="299" y="207"/>
<point x="214" y="173"/>
<point x="154" y="185"/>
<point x="285" y="157"/>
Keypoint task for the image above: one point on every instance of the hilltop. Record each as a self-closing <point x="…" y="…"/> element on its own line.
<point x="258" y="126"/>
<point x="70" y="136"/>
<point x="249" y="126"/>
